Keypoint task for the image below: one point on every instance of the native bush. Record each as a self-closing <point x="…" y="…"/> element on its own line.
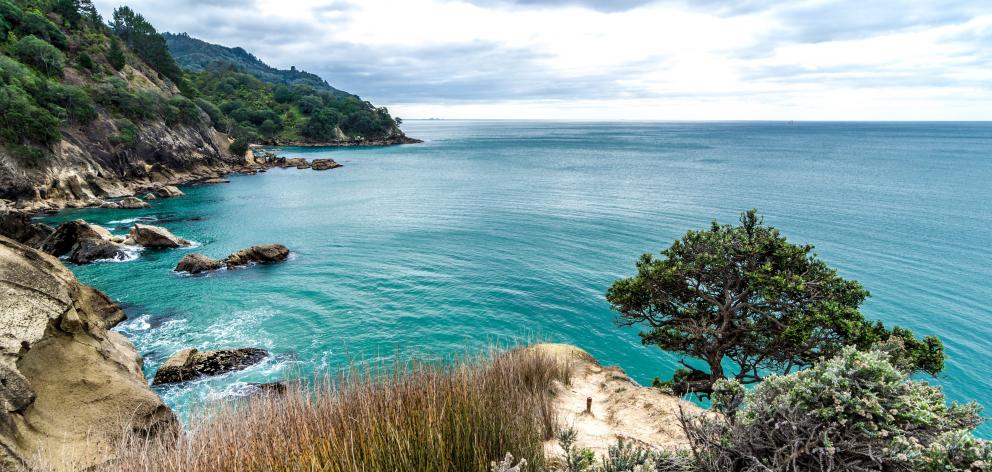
<point x="854" y="412"/>
<point x="39" y="54"/>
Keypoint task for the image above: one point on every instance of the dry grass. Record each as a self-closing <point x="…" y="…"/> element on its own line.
<point x="454" y="416"/>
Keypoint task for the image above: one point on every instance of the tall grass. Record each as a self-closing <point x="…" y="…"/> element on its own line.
<point x="440" y="416"/>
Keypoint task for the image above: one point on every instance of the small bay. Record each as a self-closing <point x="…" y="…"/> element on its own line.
<point x="503" y="231"/>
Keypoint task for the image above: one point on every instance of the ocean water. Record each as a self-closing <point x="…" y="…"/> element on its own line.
<point x="495" y="231"/>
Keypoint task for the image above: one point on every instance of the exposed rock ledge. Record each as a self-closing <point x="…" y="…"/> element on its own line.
<point x="258" y="254"/>
<point x="620" y="407"/>
<point x="68" y="382"/>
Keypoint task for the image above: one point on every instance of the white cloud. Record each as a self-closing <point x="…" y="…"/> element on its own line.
<point x="825" y="59"/>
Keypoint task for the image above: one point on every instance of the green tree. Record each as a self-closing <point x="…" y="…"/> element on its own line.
<point x="35" y="24"/>
<point x="321" y="126"/>
<point x="745" y="299"/>
<point x="39" y="54"/>
<point x="239" y="147"/>
<point x="145" y="41"/>
<point x="85" y="61"/>
<point x="115" y="56"/>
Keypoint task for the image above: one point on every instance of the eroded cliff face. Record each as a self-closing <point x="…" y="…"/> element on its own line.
<point x="86" y="166"/>
<point x="69" y="387"/>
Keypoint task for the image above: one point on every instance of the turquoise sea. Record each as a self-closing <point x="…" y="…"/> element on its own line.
<point x="503" y="231"/>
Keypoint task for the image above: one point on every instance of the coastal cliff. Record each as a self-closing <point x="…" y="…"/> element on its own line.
<point x="70" y="386"/>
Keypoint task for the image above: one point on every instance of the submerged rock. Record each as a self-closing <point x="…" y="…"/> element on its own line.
<point x="262" y="254"/>
<point x="90" y="250"/>
<point x="155" y="237"/>
<point x="132" y="203"/>
<point x="324" y="164"/>
<point x="190" y="364"/>
<point x="198" y="263"/>
<point x="65" y="376"/>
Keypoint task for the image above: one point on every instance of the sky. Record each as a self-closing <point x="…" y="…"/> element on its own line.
<point x="622" y="59"/>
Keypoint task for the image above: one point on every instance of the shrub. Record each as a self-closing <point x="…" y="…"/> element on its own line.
<point x="127" y="134"/>
<point x="35" y="24"/>
<point x="22" y="121"/>
<point x="239" y="147"/>
<point x="181" y="110"/>
<point x="85" y="61"/>
<point x="68" y="102"/>
<point x="217" y="118"/>
<point x="40" y="55"/>
<point x="115" y="56"/>
<point x="438" y="416"/>
<point x="853" y="412"/>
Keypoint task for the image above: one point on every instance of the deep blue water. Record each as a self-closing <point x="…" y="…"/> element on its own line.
<point x="500" y="231"/>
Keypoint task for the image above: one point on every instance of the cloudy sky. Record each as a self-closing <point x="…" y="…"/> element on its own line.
<point x="622" y="59"/>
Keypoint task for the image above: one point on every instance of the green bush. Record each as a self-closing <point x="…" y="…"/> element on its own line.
<point x="115" y="56"/>
<point x="141" y="105"/>
<point x="181" y="110"/>
<point x="239" y="147"/>
<point x="127" y="133"/>
<point x="68" y="102"/>
<point x="85" y="61"/>
<point x="22" y="121"/>
<point x="856" y="411"/>
<point x="40" y="55"/>
<point x="35" y="24"/>
<point x="217" y="118"/>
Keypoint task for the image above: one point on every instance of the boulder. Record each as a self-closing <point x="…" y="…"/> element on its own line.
<point x="190" y="364"/>
<point x="66" y="379"/>
<point x="150" y="196"/>
<point x="297" y="162"/>
<point x="155" y="237"/>
<point x="132" y="203"/>
<point x="197" y="263"/>
<point x="324" y="164"/>
<point x="262" y="253"/>
<point x="61" y="241"/>
<point x="17" y="225"/>
<point x="110" y="205"/>
<point x="90" y="250"/>
<point x="169" y="191"/>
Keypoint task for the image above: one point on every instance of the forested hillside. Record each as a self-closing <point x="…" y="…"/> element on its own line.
<point x="86" y="99"/>
<point x="196" y="55"/>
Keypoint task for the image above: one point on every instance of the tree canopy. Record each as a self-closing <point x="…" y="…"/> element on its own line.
<point x="742" y="298"/>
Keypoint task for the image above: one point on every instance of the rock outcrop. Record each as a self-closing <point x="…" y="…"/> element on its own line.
<point x="132" y="203"/>
<point x="61" y="241"/>
<point x="190" y="364"/>
<point x="620" y="408"/>
<point x="169" y="191"/>
<point x="198" y="263"/>
<point x="261" y="254"/>
<point x="324" y="164"/>
<point x="155" y="237"/>
<point x="69" y="385"/>
<point x="17" y="225"/>
<point x="90" y="250"/>
<point x="258" y="254"/>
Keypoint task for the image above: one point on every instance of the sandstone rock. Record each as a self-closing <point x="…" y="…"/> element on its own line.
<point x="133" y="203"/>
<point x="190" y="364"/>
<point x="324" y="164"/>
<point x="198" y="263"/>
<point x="68" y="384"/>
<point x="110" y="205"/>
<point x="17" y="225"/>
<point x="262" y="253"/>
<point x="61" y="241"/>
<point x="169" y="191"/>
<point x="89" y="250"/>
<point x="150" y="196"/>
<point x="155" y="237"/>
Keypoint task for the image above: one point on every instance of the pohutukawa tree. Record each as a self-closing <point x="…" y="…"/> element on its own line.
<point x="746" y="302"/>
